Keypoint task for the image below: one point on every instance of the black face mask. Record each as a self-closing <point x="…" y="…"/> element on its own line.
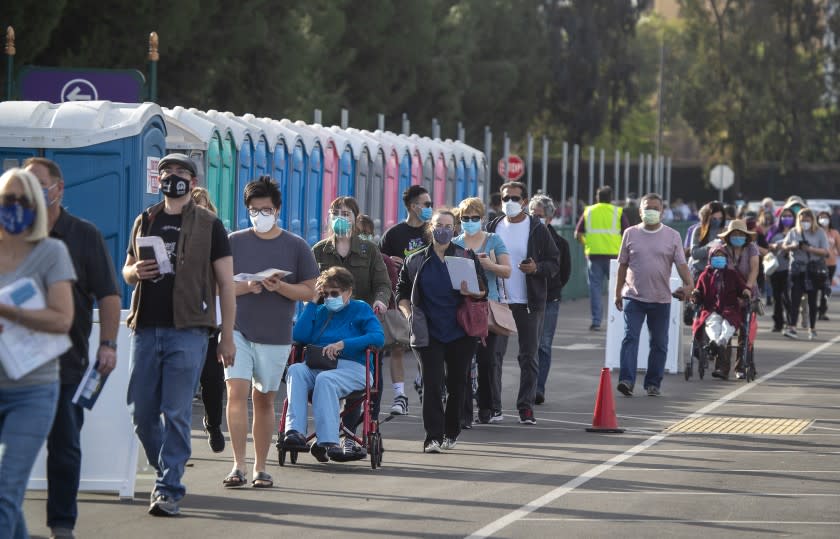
<point x="174" y="186"/>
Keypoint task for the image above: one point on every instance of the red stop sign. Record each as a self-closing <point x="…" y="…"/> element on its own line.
<point x="512" y="169"/>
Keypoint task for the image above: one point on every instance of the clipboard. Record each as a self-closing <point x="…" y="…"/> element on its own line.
<point x="462" y="269"/>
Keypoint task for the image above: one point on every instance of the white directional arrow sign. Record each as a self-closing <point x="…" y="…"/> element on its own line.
<point x="79" y="90"/>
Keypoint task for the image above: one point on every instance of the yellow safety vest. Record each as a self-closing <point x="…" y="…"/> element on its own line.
<point x="603" y="229"/>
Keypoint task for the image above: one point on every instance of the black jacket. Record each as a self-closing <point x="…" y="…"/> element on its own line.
<point x="559" y="279"/>
<point x="544" y="252"/>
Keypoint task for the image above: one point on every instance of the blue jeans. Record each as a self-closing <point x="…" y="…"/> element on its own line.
<point x="64" y="460"/>
<point x="26" y="415"/>
<point x="552" y="309"/>
<point x="599" y="269"/>
<point x="165" y="366"/>
<point x="658" y="316"/>
<point x="328" y="388"/>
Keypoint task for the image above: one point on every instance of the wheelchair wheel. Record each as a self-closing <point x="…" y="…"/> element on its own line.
<point x="375" y="450"/>
<point x="701" y="362"/>
<point x="293" y="455"/>
<point x="281" y="455"/>
<point x="749" y="368"/>
<point x="689" y="366"/>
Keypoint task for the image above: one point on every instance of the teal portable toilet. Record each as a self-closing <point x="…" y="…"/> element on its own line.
<point x="243" y="136"/>
<point x="108" y="154"/>
<point x="259" y="166"/>
<point x="199" y="139"/>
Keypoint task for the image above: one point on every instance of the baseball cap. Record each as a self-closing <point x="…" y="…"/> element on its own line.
<point x="178" y="159"/>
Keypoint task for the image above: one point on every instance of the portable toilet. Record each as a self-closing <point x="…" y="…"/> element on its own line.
<point x="370" y="178"/>
<point x="416" y="159"/>
<point x="311" y="216"/>
<point x="278" y="157"/>
<point x="391" y="203"/>
<point x="427" y="159"/>
<point x="460" y="170"/>
<point x="471" y="164"/>
<point x="442" y="154"/>
<point x="451" y="172"/>
<point x="260" y="166"/>
<point x="108" y="154"/>
<point x="345" y="160"/>
<point x="350" y="162"/>
<point x="200" y="140"/>
<point x="244" y="137"/>
<point x="403" y="150"/>
<point x="233" y="141"/>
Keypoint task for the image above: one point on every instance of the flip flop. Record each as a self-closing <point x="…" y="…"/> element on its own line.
<point x="262" y="480"/>
<point x="234" y="479"/>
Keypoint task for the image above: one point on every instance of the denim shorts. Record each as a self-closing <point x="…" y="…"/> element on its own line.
<point x="262" y="363"/>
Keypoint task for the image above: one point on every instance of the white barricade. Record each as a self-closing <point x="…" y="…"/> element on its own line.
<point x="109" y="446"/>
<point x="615" y="329"/>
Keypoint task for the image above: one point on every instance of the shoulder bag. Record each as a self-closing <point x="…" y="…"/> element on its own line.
<point x="473" y="313"/>
<point x="501" y="321"/>
<point x="395" y="327"/>
<point x="770" y="263"/>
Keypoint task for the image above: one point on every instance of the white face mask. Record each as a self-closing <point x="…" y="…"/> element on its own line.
<point x="824" y="222"/>
<point x="512" y="209"/>
<point x="263" y="223"/>
<point x="806" y="225"/>
<point x="651" y="217"/>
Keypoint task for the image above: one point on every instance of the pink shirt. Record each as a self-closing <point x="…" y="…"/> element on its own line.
<point x="649" y="256"/>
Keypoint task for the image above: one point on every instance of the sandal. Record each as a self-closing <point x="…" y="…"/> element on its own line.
<point x="234" y="479"/>
<point x="262" y="480"/>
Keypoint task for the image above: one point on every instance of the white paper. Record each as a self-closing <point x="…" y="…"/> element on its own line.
<point x="23" y="350"/>
<point x="261" y="276"/>
<point x="161" y="256"/>
<point x="462" y="269"/>
<point x="89" y="388"/>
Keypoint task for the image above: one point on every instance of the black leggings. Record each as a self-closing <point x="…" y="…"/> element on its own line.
<point x="797" y="288"/>
<point x="213" y="384"/>
<point x="781" y="298"/>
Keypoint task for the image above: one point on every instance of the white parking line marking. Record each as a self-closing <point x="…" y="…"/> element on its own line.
<point x="685" y="521"/>
<point x="592" y="473"/>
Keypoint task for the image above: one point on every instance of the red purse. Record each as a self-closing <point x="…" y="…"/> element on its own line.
<point x="472" y="316"/>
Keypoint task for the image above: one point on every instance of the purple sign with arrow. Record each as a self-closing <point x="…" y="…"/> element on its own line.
<point x="58" y="85"/>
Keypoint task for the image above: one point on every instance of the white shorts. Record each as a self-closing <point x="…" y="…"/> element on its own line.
<point x="261" y="363"/>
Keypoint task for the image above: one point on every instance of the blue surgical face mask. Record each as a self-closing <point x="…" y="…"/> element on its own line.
<point x="341" y="226"/>
<point x="718" y="262"/>
<point x="426" y="214"/>
<point x="14" y="218"/>
<point x="334" y="304"/>
<point x="714" y="223"/>
<point x="738" y="241"/>
<point x="471" y="227"/>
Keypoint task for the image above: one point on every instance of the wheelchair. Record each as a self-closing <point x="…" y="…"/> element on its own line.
<point x="370" y="439"/>
<point x="703" y="351"/>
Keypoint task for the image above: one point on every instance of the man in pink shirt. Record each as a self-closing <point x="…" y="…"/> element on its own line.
<point x="643" y="291"/>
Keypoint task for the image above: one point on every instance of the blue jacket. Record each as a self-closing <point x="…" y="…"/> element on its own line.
<point x="355" y="324"/>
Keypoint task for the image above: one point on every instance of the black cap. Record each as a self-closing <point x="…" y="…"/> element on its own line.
<point x="178" y="159"/>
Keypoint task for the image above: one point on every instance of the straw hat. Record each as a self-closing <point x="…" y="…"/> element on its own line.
<point x="736" y="225"/>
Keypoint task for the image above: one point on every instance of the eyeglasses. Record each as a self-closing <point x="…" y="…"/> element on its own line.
<point x="425" y="204"/>
<point x="332" y="293"/>
<point x="341" y="213"/>
<point x="268" y="212"/>
<point x="472" y="218"/>
<point x="11" y="200"/>
<point x="512" y="197"/>
<point x="448" y="227"/>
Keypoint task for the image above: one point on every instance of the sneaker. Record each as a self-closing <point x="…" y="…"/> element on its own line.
<point x="739" y="375"/>
<point x="824" y="317"/>
<point x="400" y="406"/>
<point x="626" y="388"/>
<point x="539" y="399"/>
<point x="497" y="417"/>
<point x="484" y="415"/>
<point x="448" y="443"/>
<point x="777" y="329"/>
<point x="812" y="334"/>
<point x="164" y="506"/>
<point x="653" y="391"/>
<point x="215" y="438"/>
<point x="526" y="417"/>
<point x="717" y="373"/>
<point x="595" y="327"/>
<point x="319" y="452"/>
<point x="790" y="333"/>
<point x="61" y="533"/>
<point x="432" y="446"/>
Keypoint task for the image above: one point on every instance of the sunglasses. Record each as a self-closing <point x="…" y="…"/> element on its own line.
<point x="11" y="200"/>
<point x="472" y="218"/>
<point x="512" y="197"/>
<point x="332" y="293"/>
<point x="425" y="204"/>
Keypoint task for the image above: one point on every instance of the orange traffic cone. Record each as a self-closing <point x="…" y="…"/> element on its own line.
<point x="604" y="419"/>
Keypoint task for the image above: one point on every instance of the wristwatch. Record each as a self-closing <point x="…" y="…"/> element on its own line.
<point x="109" y="344"/>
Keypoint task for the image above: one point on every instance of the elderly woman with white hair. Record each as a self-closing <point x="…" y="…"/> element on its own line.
<point x="31" y="265"/>
<point x="542" y="206"/>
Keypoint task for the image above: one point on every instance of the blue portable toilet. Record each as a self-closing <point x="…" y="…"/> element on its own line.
<point x="260" y="166"/>
<point x="473" y="166"/>
<point x="278" y="153"/>
<point x="311" y="216"/>
<point x="370" y="177"/>
<point x="107" y="152"/>
<point x="460" y="171"/>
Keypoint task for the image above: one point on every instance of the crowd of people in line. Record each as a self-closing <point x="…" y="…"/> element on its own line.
<point x="220" y="310"/>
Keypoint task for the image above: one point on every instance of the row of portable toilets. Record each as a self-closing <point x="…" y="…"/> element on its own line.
<point x="108" y="153"/>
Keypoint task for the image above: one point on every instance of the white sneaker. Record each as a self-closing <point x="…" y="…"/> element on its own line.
<point x="497" y="417"/>
<point x="432" y="447"/>
<point x="400" y="406"/>
<point x="448" y="443"/>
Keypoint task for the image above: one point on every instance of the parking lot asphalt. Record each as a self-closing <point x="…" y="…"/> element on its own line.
<point x="551" y="479"/>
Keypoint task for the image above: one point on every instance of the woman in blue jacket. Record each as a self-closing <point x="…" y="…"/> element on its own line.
<point x="345" y="328"/>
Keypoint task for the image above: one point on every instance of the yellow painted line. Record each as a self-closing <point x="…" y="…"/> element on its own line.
<point x="775" y="426"/>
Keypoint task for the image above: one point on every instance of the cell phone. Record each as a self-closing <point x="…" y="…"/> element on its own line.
<point x="147" y="252"/>
<point x="526" y="261"/>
